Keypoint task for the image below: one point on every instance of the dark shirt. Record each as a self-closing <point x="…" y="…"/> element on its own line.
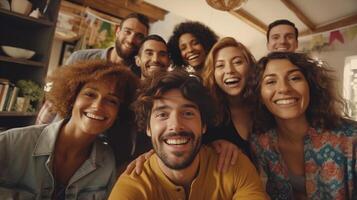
<point x="142" y="144"/>
<point x="227" y="132"/>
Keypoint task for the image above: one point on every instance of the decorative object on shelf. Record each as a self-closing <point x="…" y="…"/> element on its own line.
<point x="35" y="13"/>
<point x="16" y="52"/>
<point x="21" y="6"/>
<point x="31" y="90"/>
<point x="41" y="5"/>
<point x="22" y="104"/>
<point x="226" y="5"/>
<point x="4" y="4"/>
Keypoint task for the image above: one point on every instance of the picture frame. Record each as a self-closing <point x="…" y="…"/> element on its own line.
<point x="66" y="50"/>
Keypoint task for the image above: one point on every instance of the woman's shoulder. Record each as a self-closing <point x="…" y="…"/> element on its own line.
<point x="23" y="132"/>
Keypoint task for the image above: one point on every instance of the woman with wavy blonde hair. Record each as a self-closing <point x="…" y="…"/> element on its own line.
<point x="227" y="68"/>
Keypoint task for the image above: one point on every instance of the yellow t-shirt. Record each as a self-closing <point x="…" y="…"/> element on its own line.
<point x="240" y="181"/>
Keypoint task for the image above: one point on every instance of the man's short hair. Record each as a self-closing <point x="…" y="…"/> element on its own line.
<point x="140" y="17"/>
<point x="190" y="86"/>
<point x="282" y="22"/>
<point x="153" y="37"/>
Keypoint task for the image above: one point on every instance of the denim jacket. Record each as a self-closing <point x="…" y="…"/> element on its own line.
<point x="26" y="156"/>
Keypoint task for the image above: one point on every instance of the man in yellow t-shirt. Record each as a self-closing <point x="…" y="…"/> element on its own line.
<point x="175" y="110"/>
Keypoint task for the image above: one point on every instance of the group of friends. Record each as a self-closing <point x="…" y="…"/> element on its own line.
<point x="221" y="124"/>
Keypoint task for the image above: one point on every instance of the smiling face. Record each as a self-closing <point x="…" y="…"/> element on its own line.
<point x="192" y="52"/>
<point x="175" y="129"/>
<point x="152" y="57"/>
<point x="96" y="107"/>
<point x="231" y="70"/>
<point x="282" y="38"/>
<point x="284" y="90"/>
<point x="129" y="37"/>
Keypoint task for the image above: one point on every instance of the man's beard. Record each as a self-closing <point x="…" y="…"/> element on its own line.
<point x="128" y="57"/>
<point x="185" y="163"/>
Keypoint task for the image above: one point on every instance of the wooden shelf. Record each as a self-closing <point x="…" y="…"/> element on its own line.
<point x="24" y="18"/>
<point x="26" y="32"/>
<point x="22" y="61"/>
<point x="17" y="114"/>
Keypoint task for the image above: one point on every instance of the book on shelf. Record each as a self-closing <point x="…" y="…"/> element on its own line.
<point x="12" y="100"/>
<point x="2" y="88"/>
<point x="4" y="93"/>
<point x="8" y="97"/>
<point x="8" y="94"/>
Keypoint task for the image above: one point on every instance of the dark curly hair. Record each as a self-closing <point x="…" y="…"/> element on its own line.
<point x="190" y="87"/>
<point x="68" y="81"/>
<point x="219" y="96"/>
<point x="326" y="108"/>
<point x="202" y="33"/>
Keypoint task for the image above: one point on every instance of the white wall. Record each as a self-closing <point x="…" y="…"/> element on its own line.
<point x="335" y="56"/>
<point x="165" y="27"/>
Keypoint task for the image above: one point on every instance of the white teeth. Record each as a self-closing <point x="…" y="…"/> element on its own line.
<point x="231" y="80"/>
<point x="282" y="49"/>
<point x="155" y="66"/>
<point x="93" y="116"/>
<point x="285" y="101"/>
<point x="177" y="141"/>
<point x="192" y="56"/>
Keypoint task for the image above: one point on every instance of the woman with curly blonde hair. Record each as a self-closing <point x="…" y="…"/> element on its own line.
<point x="304" y="146"/>
<point x="67" y="159"/>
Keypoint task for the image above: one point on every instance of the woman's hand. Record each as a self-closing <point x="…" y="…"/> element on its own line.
<point x="228" y="154"/>
<point x="138" y="163"/>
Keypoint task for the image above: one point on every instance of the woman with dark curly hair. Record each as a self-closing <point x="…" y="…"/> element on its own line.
<point x="190" y="44"/>
<point x="304" y="146"/>
<point x="66" y="159"/>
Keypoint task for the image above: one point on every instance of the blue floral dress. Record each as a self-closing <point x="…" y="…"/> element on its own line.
<point x="330" y="163"/>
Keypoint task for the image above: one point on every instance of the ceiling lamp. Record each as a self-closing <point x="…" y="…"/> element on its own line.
<point x="226" y="5"/>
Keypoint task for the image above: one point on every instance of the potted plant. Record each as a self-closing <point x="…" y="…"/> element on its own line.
<point x="32" y="93"/>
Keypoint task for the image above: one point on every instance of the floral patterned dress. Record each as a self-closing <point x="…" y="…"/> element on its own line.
<point x="330" y="163"/>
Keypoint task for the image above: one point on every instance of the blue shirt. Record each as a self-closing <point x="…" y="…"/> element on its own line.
<point x="26" y="156"/>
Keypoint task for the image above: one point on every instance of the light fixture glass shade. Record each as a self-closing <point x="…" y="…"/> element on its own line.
<point x="226" y="5"/>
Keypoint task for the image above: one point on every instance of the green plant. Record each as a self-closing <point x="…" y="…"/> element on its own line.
<point x="31" y="90"/>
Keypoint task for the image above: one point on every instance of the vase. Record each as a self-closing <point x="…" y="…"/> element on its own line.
<point x="21" y="6"/>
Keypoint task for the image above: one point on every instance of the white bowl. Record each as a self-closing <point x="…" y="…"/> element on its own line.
<point x="17" y="52"/>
